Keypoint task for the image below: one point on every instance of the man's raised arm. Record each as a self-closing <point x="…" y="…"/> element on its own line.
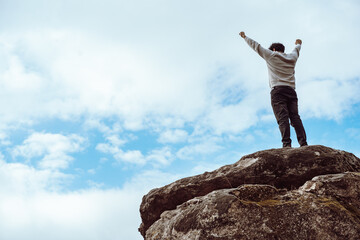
<point x="263" y="52"/>
<point x="297" y="48"/>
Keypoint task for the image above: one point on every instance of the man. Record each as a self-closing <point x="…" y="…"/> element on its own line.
<point x="284" y="100"/>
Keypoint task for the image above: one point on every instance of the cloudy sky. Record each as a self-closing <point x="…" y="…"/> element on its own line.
<point x="101" y="101"/>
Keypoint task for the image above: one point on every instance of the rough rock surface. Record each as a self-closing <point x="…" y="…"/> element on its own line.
<point x="263" y="204"/>
<point x="264" y="212"/>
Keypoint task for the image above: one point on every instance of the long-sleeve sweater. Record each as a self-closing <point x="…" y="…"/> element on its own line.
<point x="281" y="66"/>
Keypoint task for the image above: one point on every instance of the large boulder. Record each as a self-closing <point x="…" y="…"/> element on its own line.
<point x="321" y="209"/>
<point x="285" y="168"/>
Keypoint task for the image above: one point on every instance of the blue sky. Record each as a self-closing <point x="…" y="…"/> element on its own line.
<point x="101" y="101"/>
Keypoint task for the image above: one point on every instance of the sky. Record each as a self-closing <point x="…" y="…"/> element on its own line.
<point x="101" y="101"/>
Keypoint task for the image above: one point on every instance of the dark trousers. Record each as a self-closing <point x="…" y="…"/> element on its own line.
<point x="284" y="102"/>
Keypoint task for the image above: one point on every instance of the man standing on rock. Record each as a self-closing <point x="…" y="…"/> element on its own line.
<point x="284" y="100"/>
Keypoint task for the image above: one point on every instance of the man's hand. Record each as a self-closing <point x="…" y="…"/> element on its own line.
<point x="242" y="34"/>
<point x="298" y="41"/>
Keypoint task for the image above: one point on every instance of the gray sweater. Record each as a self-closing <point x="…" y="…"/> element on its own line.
<point x="281" y="66"/>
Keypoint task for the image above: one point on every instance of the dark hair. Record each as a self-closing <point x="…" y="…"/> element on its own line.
<point x="278" y="47"/>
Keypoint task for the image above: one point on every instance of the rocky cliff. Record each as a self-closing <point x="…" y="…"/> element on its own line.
<point x="311" y="192"/>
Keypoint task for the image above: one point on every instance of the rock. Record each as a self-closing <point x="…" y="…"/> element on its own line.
<point x="342" y="187"/>
<point x="264" y="212"/>
<point x="287" y="168"/>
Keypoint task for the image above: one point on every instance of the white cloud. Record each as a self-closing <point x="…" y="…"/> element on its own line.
<point x="18" y="178"/>
<point x="115" y="140"/>
<point x="157" y="73"/>
<point x="90" y="214"/>
<point x="4" y="139"/>
<point x="330" y="98"/>
<point x="158" y="157"/>
<point x="53" y="148"/>
<point x="203" y="146"/>
<point x="120" y="80"/>
<point x="35" y="208"/>
<point x="130" y="156"/>
<point x="91" y="171"/>
<point x="173" y="136"/>
<point x="95" y="123"/>
<point x="237" y="117"/>
<point x="150" y="179"/>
